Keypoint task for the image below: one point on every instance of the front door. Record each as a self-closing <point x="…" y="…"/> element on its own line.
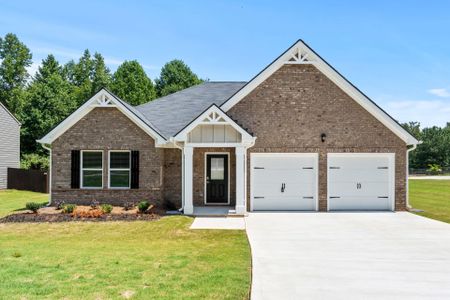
<point x="216" y="179"/>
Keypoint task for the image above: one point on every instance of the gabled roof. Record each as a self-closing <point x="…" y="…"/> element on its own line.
<point x="173" y="112"/>
<point x="213" y="115"/>
<point x="106" y="99"/>
<point x="301" y="53"/>
<point x="10" y="113"/>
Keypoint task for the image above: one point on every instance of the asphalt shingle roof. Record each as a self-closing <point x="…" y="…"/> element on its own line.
<point x="171" y="113"/>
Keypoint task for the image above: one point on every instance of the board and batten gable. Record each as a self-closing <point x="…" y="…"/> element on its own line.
<point x="291" y="109"/>
<point x="9" y="144"/>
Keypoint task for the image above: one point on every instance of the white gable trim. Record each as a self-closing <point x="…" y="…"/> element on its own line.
<point x="101" y="99"/>
<point x="300" y="53"/>
<point x="10" y="113"/>
<point x="211" y="116"/>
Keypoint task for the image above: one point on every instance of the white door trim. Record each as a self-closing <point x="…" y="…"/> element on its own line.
<point x="206" y="172"/>
<point x="287" y="154"/>
<point x="391" y="158"/>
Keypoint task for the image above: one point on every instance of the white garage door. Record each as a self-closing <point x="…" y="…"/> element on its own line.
<point x="284" y="181"/>
<point x="362" y="181"/>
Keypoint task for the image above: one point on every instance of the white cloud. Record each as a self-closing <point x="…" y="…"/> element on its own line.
<point x="33" y="68"/>
<point x="444" y="93"/>
<point x="427" y="112"/>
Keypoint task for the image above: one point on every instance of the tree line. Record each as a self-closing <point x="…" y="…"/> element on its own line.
<point x="42" y="100"/>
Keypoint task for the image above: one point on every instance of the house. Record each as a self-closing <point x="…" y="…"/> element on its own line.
<point x="297" y="136"/>
<point x="9" y="144"/>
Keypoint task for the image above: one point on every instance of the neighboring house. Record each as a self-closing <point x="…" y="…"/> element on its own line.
<point x="298" y="136"/>
<point x="9" y="144"/>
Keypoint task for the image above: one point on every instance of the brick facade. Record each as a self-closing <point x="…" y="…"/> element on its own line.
<point x="107" y="129"/>
<point x="290" y="110"/>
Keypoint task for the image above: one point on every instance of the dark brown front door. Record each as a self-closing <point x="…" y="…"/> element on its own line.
<point x="216" y="179"/>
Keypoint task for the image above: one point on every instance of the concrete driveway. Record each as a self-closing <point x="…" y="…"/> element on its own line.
<point x="349" y="256"/>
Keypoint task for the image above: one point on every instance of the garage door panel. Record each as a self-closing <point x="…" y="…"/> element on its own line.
<point x="284" y="182"/>
<point x="284" y="203"/>
<point x="364" y="203"/>
<point x="360" y="182"/>
<point x="373" y="188"/>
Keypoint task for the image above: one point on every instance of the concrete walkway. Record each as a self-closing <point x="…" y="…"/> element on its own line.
<point x="218" y="223"/>
<point x="437" y="177"/>
<point x="349" y="256"/>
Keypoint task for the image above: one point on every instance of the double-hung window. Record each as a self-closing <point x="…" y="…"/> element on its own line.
<point x="119" y="169"/>
<point x="92" y="169"/>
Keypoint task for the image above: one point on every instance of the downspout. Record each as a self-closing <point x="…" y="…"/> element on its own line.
<point x="49" y="174"/>
<point x="408" y="206"/>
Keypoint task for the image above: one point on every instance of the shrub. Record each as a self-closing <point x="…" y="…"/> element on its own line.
<point x="34" y="162"/>
<point x="434" y="169"/>
<point x="106" y="208"/>
<point x="143" y="206"/>
<point x="68" y="208"/>
<point x="94" y="204"/>
<point x="128" y="205"/>
<point x="33" y="206"/>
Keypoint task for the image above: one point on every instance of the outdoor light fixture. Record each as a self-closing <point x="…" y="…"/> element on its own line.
<point x="322" y="137"/>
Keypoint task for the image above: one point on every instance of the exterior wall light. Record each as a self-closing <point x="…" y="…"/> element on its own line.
<point x="323" y="137"/>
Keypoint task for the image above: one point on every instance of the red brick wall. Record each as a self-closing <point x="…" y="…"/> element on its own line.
<point x="290" y="110"/>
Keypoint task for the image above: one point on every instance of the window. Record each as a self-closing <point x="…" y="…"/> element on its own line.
<point x="119" y="169"/>
<point x="91" y="169"/>
<point x="217" y="168"/>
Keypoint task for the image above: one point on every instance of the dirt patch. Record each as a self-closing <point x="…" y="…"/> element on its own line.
<point x="37" y="218"/>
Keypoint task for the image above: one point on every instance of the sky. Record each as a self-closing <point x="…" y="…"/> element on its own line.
<point x="396" y="52"/>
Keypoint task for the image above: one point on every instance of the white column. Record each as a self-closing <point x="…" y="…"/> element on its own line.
<point x="241" y="201"/>
<point x="188" y="180"/>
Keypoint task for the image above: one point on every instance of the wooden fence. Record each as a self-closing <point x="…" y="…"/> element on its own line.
<point x="28" y="180"/>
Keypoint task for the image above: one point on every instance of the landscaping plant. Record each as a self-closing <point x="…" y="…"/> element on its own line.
<point x="128" y="205"/>
<point x="106" y="208"/>
<point x="94" y="204"/>
<point x="143" y="206"/>
<point x="33" y="206"/>
<point x="68" y="208"/>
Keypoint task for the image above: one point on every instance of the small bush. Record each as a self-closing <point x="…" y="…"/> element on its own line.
<point x="94" y="204"/>
<point x="143" y="206"/>
<point x="68" y="208"/>
<point x="434" y="169"/>
<point x="33" y="206"/>
<point x="128" y="205"/>
<point x="106" y="208"/>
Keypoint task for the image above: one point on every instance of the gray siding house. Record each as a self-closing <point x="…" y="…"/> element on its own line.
<point x="9" y="144"/>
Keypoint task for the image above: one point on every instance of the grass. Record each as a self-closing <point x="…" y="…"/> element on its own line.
<point x="13" y="200"/>
<point x="432" y="196"/>
<point x="116" y="260"/>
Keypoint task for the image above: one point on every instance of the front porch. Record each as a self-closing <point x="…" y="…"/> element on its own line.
<point x="214" y="165"/>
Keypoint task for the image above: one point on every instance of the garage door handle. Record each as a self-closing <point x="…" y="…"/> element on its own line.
<point x="258" y="168"/>
<point x="334" y="197"/>
<point x="258" y="197"/>
<point x="383" y="168"/>
<point x="335" y="168"/>
<point x="308" y="197"/>
<point x="307" y="168"/>
<point x="383" y="197"/>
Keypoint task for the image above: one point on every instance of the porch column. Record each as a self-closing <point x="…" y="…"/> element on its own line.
<point x="241" y="201"/>
<point x="188" y="178"/>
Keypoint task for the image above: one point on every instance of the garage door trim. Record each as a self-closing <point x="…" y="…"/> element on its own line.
<point x="391" y="159"/>
<point x="315" y="156"/>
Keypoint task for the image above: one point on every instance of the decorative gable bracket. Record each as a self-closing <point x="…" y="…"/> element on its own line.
<point x="299" y="55"/>
<point x="102" y="99"/>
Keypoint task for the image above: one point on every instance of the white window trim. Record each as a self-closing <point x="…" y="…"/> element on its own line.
<point x="89" y="169"/>
<point x="122" y="169"/>
<point x="206" y="172"/>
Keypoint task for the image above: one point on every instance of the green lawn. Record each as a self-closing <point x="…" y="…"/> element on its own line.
<point x="432" y="196"/>
<point x="112" y="260"/>
<point x="11" y="200"/>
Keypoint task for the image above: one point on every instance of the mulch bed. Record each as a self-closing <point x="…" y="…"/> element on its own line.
<point x="53" y="218"/>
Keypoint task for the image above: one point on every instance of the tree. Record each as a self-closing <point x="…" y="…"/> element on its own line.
<point x="15" y="58"/>
<point x="82" y="77"/>
<point x="101" y="77"/>
<point x="49" y="100"/>
<point x="132" y="84"/>
<point x="175" y="76"/>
